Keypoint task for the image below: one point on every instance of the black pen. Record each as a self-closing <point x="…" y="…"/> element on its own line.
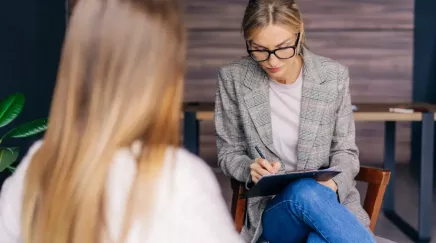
<point x="259" y="152"/>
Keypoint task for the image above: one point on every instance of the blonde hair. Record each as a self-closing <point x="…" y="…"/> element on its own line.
<point x="261" y="13"/>
<point x="119" y="81"/>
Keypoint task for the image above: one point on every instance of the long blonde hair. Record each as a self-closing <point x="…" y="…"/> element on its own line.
<point x="119" y="81"/>
<point x="261" y="13"/>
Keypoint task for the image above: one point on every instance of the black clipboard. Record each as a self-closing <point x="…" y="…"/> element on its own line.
<point x="273" y="184"/>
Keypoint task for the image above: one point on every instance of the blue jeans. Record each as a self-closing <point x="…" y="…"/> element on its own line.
<point x="307" y="211"/>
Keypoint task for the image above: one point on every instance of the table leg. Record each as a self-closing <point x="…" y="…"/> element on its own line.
<point x="423" y="234"/>
<point x="389" y="164"/>
<point x="191" y="132"/>
<point x="426" y="177"/>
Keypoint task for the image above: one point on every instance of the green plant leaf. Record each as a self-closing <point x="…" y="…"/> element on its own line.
<point x="11" y="169"/>
<point x="10" y="108"/>
<point x="28" y="129"/>
<point x="7" y="157"/>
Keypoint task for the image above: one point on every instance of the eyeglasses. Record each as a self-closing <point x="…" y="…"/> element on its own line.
<point x="281" y="53"/>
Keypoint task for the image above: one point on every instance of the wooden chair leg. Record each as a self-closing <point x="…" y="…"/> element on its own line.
<point x="373" y="203"/>
<point x="240" y="214"/>
<point x="238" y="205"/>
<point x="377" y="180"/>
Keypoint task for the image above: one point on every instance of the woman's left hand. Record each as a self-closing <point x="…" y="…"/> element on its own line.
<point x="330" y="183"/>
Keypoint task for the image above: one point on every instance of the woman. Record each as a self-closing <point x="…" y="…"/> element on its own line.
<point x="295" y="106"/>
<point x="109" y="169"/>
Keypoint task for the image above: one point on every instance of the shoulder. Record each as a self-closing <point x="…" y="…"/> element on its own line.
<point x="237" y="66"/>
<point x="328" y="69"/>
<point x="183" y="178"/>
<point x="22" y="167"/>
<point x="32" y="150"/>
<point x="11" y="198"/>
<point x="179" y="164"/>
<point x="191" y="170"/>
<point x="237" y="70"/>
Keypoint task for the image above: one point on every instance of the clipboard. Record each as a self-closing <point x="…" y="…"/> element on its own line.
<point x="273" y="184"/>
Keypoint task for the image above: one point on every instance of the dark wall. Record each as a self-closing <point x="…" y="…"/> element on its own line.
<point x="424" y="68"/>
<point x="32" y="32"/>
<point x="424" y="75"/>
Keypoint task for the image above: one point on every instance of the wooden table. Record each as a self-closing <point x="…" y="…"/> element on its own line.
<point x="195" y="112"/>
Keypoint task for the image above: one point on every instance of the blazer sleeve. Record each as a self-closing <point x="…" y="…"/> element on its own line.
<point x="230" y="138"/>
<point x="344" y="153"/>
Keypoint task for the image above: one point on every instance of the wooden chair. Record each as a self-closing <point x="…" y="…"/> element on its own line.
<point x="377" y="180"/>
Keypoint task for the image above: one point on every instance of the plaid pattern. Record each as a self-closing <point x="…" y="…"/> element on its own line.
<point x="326" y="133"/>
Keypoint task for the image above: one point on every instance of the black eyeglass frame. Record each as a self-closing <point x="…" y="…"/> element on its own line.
<point x="273" y="51"/>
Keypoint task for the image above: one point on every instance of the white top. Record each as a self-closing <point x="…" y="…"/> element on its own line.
<point x="285" y="100"/>
<point x="188" y="205"/>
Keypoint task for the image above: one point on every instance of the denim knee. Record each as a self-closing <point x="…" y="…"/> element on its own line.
<point x="307" y="190"/>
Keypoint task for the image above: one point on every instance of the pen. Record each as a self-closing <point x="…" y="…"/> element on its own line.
<point x="259" y="152"/>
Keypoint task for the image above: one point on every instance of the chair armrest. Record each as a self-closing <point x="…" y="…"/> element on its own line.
<point x="373" y="175"/>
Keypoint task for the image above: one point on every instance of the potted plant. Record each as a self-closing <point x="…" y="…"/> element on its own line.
<point x="10" y="108"/>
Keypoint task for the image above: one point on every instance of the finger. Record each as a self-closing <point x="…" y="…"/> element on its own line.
<point x="258" y="177"/>
<point x="266" y="165"/>
<point x="255" y="177"/>
<point x="255" y="174"/>
<point x="255" y="166"/>
<point x="258" y="161"/>
<point x="262" y="171"/>
<point x="276" y="166"/>
<point x="321" y="182"/>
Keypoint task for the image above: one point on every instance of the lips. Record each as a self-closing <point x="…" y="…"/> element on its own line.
<point x="274" y="70"/>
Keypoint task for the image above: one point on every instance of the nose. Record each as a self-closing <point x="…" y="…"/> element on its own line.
<point x="273" y="61"/>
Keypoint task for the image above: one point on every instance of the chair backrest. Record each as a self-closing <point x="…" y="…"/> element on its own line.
<point x="377" y="180"/>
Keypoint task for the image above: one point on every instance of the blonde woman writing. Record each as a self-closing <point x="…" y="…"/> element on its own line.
<point x="109" y="169"/>
<point x="295" y="106"/>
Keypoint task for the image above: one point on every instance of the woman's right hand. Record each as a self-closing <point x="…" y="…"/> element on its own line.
<point x="261" y="167"/>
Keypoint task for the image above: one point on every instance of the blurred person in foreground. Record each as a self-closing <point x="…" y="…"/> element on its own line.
<point x="295" y="106"/>
<point x="109" y="168"/>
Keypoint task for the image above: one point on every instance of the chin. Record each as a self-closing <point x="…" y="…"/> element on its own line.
<point x="277" y="75"/>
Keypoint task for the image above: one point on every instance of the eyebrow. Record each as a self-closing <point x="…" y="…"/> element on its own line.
<point x="283" y="42"/>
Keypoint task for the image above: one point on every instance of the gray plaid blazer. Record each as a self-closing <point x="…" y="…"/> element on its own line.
<point x="326" y="133"/>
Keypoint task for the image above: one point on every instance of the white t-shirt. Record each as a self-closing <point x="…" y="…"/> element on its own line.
<point x="187" y="207"/>
<point x="285" y="100"/>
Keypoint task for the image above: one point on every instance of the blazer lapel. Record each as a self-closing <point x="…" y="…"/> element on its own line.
<point x="311" y="112"/>
<point x="257" y="102"/>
